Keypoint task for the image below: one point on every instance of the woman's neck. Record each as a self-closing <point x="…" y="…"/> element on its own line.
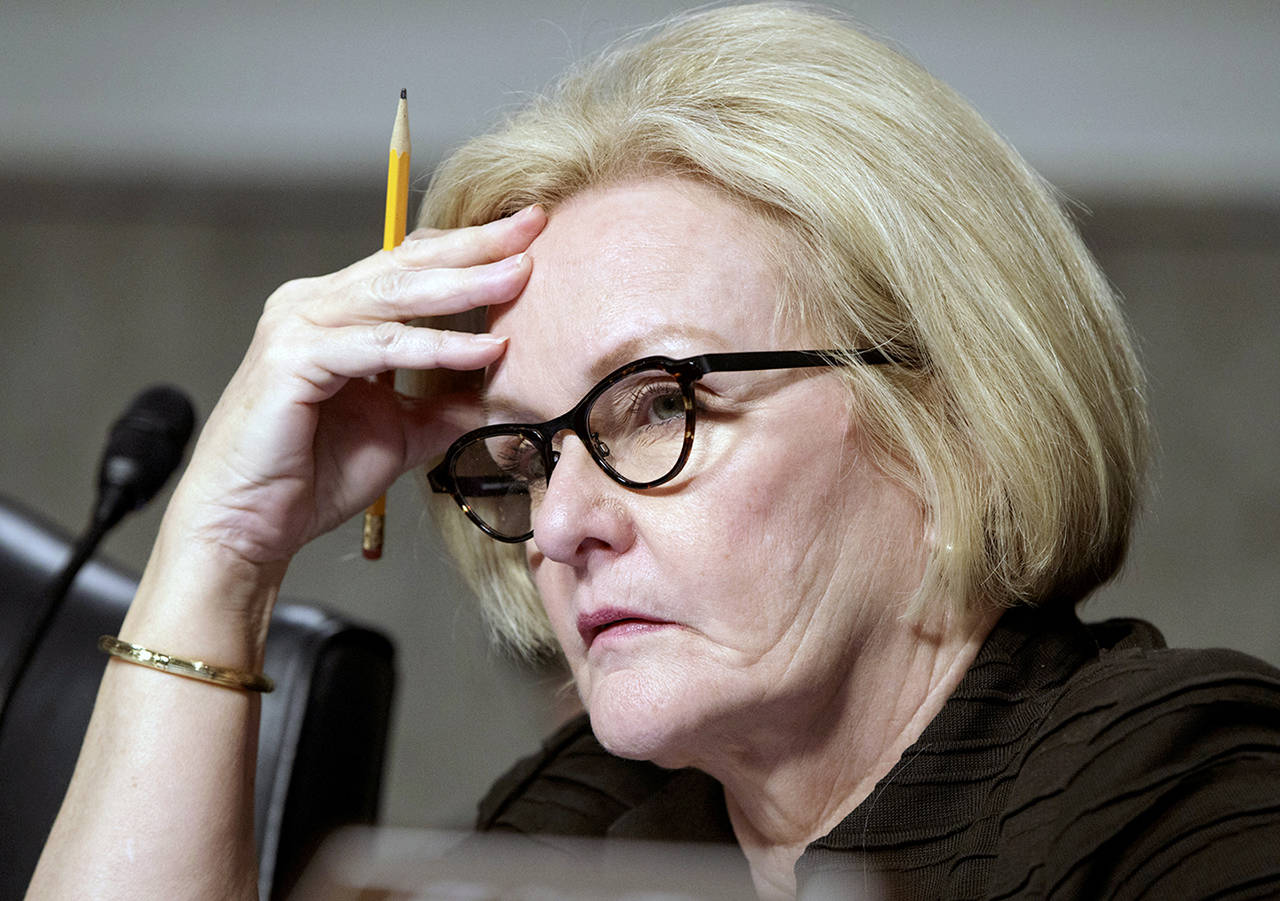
<point x="797" y="783"/>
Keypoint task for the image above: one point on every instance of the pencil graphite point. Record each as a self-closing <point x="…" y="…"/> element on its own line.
<point x="404" y="94"/>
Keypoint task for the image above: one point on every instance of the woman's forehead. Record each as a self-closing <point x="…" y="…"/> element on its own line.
<point x="662" y="261"/>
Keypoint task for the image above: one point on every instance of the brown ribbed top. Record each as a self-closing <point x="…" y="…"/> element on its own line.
<point x="1072" y="761"/>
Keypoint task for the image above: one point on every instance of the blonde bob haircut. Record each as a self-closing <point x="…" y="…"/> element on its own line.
<point x="1017" y="414"/>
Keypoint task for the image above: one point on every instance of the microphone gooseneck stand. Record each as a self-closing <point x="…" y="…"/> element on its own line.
<point x="143" y="449"/>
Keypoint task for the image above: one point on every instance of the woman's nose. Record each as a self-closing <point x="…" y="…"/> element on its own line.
<point x="582" y="510"/>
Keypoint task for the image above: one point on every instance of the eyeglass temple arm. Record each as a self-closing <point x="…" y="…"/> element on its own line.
<point x="788" y="359"/>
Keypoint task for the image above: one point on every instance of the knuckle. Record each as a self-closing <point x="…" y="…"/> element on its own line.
<point x="433" y="343"/>
<point x="279" y="316"/>
<point x="289" y="293"/>
<point x="386" y="287"/>
<point x="387" y="335"/>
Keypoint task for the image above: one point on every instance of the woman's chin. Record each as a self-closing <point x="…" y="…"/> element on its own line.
<point x="641" y="718"/>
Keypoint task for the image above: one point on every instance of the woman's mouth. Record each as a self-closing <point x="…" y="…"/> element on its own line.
<point x="613" y="621"/>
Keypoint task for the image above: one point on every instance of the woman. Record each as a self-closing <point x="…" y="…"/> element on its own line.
<point x="817" y="604"/>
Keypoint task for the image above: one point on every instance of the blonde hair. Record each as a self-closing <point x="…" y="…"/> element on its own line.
<point x="1017" y="417"/>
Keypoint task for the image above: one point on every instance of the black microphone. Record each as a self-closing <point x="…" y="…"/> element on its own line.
<point x="143" y="449"/>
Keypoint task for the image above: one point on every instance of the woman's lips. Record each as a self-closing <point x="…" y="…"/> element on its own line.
<point x="614" y="620"/>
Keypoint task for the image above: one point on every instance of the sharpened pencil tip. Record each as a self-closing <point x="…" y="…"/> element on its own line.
<point x="404" y="94"/>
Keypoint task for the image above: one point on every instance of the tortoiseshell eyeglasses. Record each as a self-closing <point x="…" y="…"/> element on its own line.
<point x="637" y="424"/>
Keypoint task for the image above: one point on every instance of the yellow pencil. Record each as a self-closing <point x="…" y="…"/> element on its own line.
<point x="392" y="235"/>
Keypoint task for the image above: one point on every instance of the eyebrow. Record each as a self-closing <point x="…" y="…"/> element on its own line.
<point x="633" y="348"/>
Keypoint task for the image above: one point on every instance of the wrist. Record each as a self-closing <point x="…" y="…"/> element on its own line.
<point x="199" y="599"/>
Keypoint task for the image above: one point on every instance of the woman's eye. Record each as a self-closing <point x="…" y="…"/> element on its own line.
<point x="666" y="406"/>
<point x="638" y="404"/>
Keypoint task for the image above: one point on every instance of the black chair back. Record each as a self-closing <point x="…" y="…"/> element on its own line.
<point x="323" y="732"/>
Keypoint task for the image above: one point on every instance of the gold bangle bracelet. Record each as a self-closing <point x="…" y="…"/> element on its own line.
<point x="192" y="669"/>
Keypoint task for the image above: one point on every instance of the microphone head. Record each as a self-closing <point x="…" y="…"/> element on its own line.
<point x="143" y="449"/>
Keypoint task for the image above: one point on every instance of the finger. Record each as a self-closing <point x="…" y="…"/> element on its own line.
<point x="404" y="294"/>
<point x="366" y="350"/>
<point x="453" y="248"/>
<point x="476" y="244"/>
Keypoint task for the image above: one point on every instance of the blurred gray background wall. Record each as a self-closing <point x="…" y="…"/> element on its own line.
<point x="163" y="166"/>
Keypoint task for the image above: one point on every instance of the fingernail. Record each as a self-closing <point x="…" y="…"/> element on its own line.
<point x="526" y="212"/>
<point x="493" y="340"/>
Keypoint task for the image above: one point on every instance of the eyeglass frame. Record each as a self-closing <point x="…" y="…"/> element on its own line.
<point x="685" y="371"/>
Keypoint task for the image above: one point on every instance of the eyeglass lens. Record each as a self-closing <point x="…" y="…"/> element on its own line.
<point x="637" y="429"/>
